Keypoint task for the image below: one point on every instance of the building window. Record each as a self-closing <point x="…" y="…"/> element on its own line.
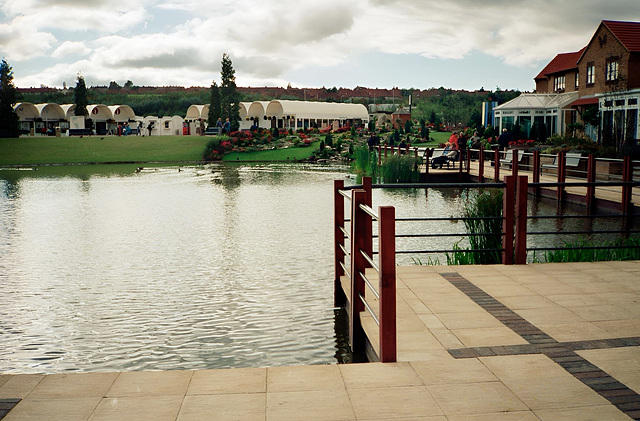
<point x="577" y="80"/>
<point x="591" y="73"/>
<point x="612" y="71"/>
<point x="558" y="84"/>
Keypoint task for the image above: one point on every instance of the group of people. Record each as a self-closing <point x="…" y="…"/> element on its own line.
<point x="223" y="127"/>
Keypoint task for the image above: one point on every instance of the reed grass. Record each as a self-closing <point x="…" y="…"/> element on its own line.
<point x="399" y="168"/>
<point x="584" y="250"/>
<point x="365" y="162"/>
<point x="485" y="209"/>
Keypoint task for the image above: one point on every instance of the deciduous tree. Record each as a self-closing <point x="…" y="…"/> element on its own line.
<point x="9" y="122"/>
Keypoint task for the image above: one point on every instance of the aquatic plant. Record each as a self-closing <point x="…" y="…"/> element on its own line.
<point x="365" y="162"/>
<point x="590" y="250"/>
<point x="484" y="226"/>
<point x="400" y="168"/>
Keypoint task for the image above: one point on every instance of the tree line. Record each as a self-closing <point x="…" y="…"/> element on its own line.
<point x="447" y="107"/>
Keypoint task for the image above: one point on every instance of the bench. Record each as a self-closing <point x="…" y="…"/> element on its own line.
<point x="507" y="161"/>
<point x="80" y="132"/>
<point x="574" y="164"/>
<point x="212" y="131"/>
<point x="438" y="159"/>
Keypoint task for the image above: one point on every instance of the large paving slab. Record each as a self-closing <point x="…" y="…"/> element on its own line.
<point x="534" y="342"/>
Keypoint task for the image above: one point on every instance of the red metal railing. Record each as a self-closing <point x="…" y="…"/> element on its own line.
<point x="354" y="245"/>
<point x="563" y="173"/>
<point x="354" y="255"/>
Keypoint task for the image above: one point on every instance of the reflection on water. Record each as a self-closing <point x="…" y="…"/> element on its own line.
<point x="121" y="268"/>
<point x="193" y="267"/>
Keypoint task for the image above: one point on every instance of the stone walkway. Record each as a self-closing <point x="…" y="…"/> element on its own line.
<point x="535" y="342"/>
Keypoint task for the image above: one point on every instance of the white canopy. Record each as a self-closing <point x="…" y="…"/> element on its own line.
<point x="122" y="112"/>
<point x="51" y="112"/>
<point x="316" y="110"/>
<point x="99" y="112"/>
<point x="26" y="111"/>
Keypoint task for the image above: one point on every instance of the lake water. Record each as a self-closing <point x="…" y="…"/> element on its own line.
<point x="198" y="267"/>
<point x="105" y="268"/>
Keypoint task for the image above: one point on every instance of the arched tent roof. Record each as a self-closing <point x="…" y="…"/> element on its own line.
<point x="195" y="112"/>
<point x="317" y="110"/>
<point x="99" y="112"/>
<point x="244" y="110"/>
<point x="26" y="111"/>
<point x="122" y="112"/>
<point x="257" y="109"/>
<point x="50" y="112"/>
<point x="68" y="110"/>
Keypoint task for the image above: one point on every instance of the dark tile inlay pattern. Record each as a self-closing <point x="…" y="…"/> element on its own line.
<point x="562" y="353"/>
<point x="7" y="405"/>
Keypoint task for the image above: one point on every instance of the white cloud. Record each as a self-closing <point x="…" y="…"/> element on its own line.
<point x="267" y="39"/>
<point x="71" y="48"/>
<point x="19" y="42"/>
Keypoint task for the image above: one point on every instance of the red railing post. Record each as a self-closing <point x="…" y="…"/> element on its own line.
<point x="627" y="176"/>
<point x="514" y="163"/>
<point x="481" y="165"/>
<point x="387" y="284"/>
<point x="508" y="205"/>
<point x="591" y="178"/>
<point x="522" y="192"/>
<point x="426" y="165"/>
<point x="379" y="155"/>
<point x="562" y="166"/>
<point x="468" y="160"/>
<point x="338" y="200"/>
<point x="536" y="172"/>
<point x="496" y="165"/>
<point x="366" y="186"/>
<point x="360" y="241"/>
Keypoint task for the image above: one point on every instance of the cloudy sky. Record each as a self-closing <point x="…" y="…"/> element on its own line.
<point x="460" y="44"/>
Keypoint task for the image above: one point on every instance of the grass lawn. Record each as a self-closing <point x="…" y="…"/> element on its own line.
<point x="279" y="155"/>
<point x="438" y="137"/>
<point x="95" y="149"/>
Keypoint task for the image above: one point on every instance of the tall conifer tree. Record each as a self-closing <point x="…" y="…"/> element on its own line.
<point x="229" y="96"/>
<point x="80" y="97"/>
<point x="214" y="105"/>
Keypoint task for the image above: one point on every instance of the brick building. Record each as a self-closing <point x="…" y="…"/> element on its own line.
<point x="602" y="76"/>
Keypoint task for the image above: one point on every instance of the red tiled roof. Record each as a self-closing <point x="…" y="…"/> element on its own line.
<point x="561" y="63"/>
<point x="628" y="33"/>
<point x="584" y="101"/>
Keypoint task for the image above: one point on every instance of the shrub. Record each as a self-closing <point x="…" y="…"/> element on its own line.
<point x="212" y="150"/>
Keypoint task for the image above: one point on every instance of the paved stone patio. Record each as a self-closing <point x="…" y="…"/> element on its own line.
<point x="534" y="342"/>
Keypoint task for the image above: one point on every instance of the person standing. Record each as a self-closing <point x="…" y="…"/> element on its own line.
<point x="227" y="127"/>
<point x="219" y="125"/>
<point x="504" y="139"/>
